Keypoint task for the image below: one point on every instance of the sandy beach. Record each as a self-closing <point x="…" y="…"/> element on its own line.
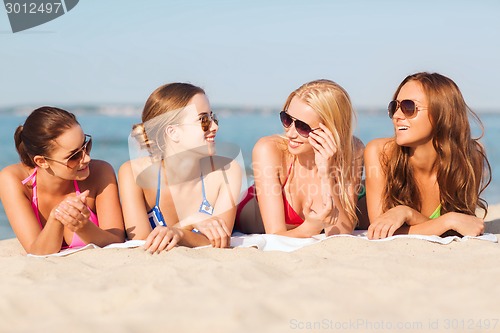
<point x="338" y="285"/>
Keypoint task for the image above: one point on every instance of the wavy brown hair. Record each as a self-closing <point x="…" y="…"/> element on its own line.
<point x="463" y="170"/>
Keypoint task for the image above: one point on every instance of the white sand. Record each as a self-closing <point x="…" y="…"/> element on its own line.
<point x="339" y="285"/>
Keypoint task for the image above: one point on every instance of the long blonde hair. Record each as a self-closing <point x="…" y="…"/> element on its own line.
<point x="332" y="104"/>
<point x="463" y="170"/>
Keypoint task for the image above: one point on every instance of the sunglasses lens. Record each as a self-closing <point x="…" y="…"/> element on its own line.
<point x="205" y="122"/>
<point x="393" y="106"/>
<point x="408" y="107"/>
<point x="286" y="120"/>
<point x="75" y="159"/>
<point x="302" y="128"/>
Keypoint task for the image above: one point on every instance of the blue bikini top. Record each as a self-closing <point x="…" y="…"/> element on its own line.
<point x="156" y="217"/>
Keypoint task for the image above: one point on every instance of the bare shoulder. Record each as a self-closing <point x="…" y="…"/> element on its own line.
<point x="269" y="147"/>
<point x="358" y="147"/>
<point x="125" y="168"/>
<point x="377" y="146"/>
<point x="16" y="172"/>
<point x="101" y="174"/>
<point x="100" y="167"/>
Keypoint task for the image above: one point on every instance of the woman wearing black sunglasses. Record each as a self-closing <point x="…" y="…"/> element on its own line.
<point x="428" y="178"/>
<point x="177" y="184"/>
<point x="307" y="180"/>
<point x="52" y="199"/>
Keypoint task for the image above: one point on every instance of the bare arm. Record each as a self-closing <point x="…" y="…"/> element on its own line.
<point x="133" y="205"/>
<point x="107" y="207"/>
<point x="17" y="204"/>
<point x="267" y="163"/>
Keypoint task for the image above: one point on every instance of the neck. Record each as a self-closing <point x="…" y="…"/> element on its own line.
<point x="51" y="183"/>
<point x="423" y="157"/>
<point x="306" y="160"/>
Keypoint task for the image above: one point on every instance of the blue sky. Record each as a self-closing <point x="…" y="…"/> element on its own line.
<point x="250" y="53"/>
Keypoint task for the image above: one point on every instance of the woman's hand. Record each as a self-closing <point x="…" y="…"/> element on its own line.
<point x="466" y="225"/>
<point x="326" y="216"/>
<point x="73" y="212"/>
<point x="216" y="231"/>
<point x="324" y="150"/>
<point x="162" y="238"/>
<point x="386" y="224"/>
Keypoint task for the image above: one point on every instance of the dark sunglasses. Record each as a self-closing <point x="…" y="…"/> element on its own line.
<point x="302" y="128"/>
<point x="206" y="121"/>
<point x="74" y="160"/>
<point x="407" y="106"/>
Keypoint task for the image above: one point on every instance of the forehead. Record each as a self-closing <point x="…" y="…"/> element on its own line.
<point x="198" y="104"/>
<point x="301" y="110"/>
<point x="412" y="90"/>
<point x="70" y="140"/>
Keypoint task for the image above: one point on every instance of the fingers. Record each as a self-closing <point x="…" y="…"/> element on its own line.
<point x="323" y="141"/>
<point x="161" y="238"/>
<point x="72" y="213"/>
<point x="217" y="232"/>
<point x="381" y="230"/>
<point x="83" y="196"/>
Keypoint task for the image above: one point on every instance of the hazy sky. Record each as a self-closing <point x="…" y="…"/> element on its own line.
<point x="250" y="53"/>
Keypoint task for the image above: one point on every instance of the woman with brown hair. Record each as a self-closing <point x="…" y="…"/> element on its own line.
<point x="428" y="178"/>
<point x="57" y="196"/>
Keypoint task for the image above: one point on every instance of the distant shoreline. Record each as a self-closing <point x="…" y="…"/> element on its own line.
<point x="132" y="109"/>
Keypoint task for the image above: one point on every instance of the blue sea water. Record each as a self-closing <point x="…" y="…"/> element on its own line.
<point x="110" y="131"/>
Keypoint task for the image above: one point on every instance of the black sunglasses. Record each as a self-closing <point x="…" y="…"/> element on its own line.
<point x="408" y="107"/>
<point x="302" y="128"/>
<point x="74" y="160"/>
<point x="206" y="121"/>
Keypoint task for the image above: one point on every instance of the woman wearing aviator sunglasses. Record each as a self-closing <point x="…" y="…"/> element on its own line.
<point x="176" y="184"/>
<point x="428" y="178"/>
<point x="307" y="181"/>
<point x="42" y="195"/>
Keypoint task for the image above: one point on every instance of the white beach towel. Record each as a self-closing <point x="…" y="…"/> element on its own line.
<point x="288" y="244"/>
<point x="266" y="242"/>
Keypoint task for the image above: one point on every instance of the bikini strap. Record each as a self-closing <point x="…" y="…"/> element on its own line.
<point x="34" y="199"/>
<point x="158" y="187"/>
<point x="289" y="171"/>
<point x="205" y="206"/>
<point x="31" y="177"/>
<point x="203" y="188"/>
<point x="77" y="189"/>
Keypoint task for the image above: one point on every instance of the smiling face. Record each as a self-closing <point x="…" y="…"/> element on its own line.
<point x="416" y="130"/>
<point x="66" y="146"/>
<point x="298" y="109"/>
<point x="196" y="114"/>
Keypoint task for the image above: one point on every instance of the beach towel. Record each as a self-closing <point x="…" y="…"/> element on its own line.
<point x="267" y="242"/>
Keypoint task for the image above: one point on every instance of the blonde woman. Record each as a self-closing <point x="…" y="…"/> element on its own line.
<point x="308" y="180"/>
<point x="428" y="178"/>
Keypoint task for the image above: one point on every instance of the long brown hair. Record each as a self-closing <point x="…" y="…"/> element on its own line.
<point x="463" y="170"/>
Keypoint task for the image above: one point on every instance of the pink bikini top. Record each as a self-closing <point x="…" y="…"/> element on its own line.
<point x="76" y="241"/>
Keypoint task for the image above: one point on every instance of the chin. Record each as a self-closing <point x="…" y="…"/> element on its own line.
<point x="211" y="149"/>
